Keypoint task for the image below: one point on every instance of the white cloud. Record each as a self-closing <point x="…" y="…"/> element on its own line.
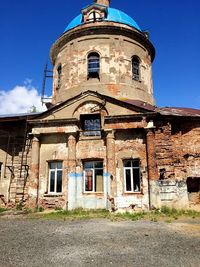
<point x="20" y="99"/>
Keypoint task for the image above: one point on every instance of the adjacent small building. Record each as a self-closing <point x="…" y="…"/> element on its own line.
<point x="102" y="143"/>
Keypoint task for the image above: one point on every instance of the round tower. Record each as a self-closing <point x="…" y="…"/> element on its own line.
<point x="104" y="50"/>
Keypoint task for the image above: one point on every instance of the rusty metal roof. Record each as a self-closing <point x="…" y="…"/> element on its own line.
<point x="176" y="111"/>
<point x="14" y="117"/>
<point x="139" y="104"/>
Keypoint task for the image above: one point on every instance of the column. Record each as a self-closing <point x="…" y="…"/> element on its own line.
<point x="72" y="179"/>
<point x="35" y="164"/>
<point x="71" y="153"/>
<point x="111" y="165"/>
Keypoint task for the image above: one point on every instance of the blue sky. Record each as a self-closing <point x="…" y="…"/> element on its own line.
<point x="29" y="28"/>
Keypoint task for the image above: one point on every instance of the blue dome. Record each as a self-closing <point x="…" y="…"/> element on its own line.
<point x="114" y="15"/>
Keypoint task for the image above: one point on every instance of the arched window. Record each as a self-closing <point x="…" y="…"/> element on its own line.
<point x="59" y="72"/>
<point x="93" y="65"/>
<point x="135" y="68"/>
<point x="94" y="16"/>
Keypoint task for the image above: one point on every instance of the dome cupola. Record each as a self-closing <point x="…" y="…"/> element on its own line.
<point x="100" y="11"/>
<point x="104" y="50"/>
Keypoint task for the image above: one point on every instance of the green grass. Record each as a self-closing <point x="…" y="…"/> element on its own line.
<point x="163" y="214"/>
<point x="74" y="214"/>
<point x="2" y="210"/>
<point x="171" y="212"/>
<point x="39" y="209"/>
<point x="131" y="216"/>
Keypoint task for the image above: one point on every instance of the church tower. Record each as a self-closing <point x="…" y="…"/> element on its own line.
<point x="103" y="50"/>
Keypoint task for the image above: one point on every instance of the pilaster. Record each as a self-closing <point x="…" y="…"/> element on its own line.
<point x="35" y="165"/>
<point x="111" y="165"/>
<point x="151" y="154"/>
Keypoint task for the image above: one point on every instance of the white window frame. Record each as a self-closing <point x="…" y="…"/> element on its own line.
<point x="132" y="177"/>
<point x="55" y="182"/>
<point x="93" y="178"/>
<point x="84" y="172"/>
<point x="94" y="16"/>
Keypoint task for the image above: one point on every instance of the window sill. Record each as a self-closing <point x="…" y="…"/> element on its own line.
<point x="93" y="194"/>
<point x="139" y="81"/>
<point x="132" y="193"/>
<point x="53" y="195"/>
<point x="89" y="137"/>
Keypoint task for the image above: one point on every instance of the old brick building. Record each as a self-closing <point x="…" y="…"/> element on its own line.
<point x="102" y="143"/>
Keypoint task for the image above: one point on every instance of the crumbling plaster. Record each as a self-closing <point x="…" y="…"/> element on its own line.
<point x="115" y="68"/>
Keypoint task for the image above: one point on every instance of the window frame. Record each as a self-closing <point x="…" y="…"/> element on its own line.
<point x="131" y="168"/>
<point x="90" y="73"/>
<point x="94" y="16"/>
<point x="59" y="74"/>
<point x="90" y="117"/>
<point x="93" y="177"/>
<point x="135" y="76"/>
<point x="56" y="170"/>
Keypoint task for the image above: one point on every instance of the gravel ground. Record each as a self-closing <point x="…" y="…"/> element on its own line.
<point x="36" y="242"/>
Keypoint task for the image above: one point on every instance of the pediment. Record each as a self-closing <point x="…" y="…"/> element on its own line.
<point x="91" y="103"/>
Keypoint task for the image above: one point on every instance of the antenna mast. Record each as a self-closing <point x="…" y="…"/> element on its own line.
<point x="48" y="74"/>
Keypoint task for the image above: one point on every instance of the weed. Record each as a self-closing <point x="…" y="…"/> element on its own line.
<point x="80" y="214"/>
<point x="39" y="209"/>
<point x="171" y="212"/>
<point x="58" y="208"/>
<point x="19" y="206"/>
<point x="2" y="210"/>
<point x="130" y="216"/>
<point x="27" y="211"/>
<point x="154" y="219"/>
